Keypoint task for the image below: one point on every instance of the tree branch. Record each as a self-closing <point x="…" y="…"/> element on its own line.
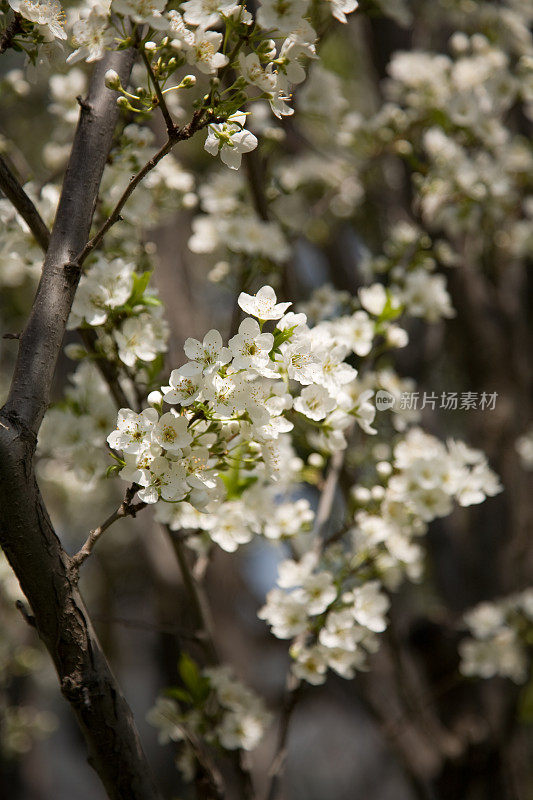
<point x="177" y="135"/>
<point x="41" y="341"/>
<point x="200" y="622"/>
<point x="202" y="631"/>
<point x="292" y="695"/>
<point x="294" y="687"/>
<point x="327" y="496"/>
<point x="125" y="509"/>
<point x="27" y="536"/>
<point x="25" y="207"/>
<point x="45" y="574"/>
<point x="255" y="172"/>
<point x="108" y="369"/>
<point x="169" y="122"/>
<point x="14" y="28"/>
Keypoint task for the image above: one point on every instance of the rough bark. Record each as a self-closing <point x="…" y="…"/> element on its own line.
<point x="41" y="341"/>
<point x="27" y="536"/>
<point x="86" y="681"/>
<point x="12" y="30"/>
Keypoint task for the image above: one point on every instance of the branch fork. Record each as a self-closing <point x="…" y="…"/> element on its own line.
<point x="126" y="509"/>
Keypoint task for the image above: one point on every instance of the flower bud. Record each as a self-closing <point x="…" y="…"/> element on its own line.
<point x="155" y="398"/>
<point x="112" y="80"/>
<point x="123" y="102"/>
<point x="267" y="49"/>
<point x="384" y="468"/>
<point x="188" y="80"/>
<point x="75" y="351"/>
<point x="189" y="200"/>
<point x="377" y="492"/>
<point x="361" y="494"/>
<point x="150" y="47"/>
<point x="396" y="336"/>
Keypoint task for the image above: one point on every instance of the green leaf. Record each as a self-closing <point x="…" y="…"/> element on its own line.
<point x="190" y="674"/>
<point x="390" y="312"/>
<point x="113" y="469"/>
<point x="150" y="300"/>
<point x="279" y="338"/>
<point x="140" y="283"/>
<point x="177" y="693"/>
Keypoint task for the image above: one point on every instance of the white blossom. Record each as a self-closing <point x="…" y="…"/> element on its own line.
<point x="210" y="353"/>
<point x="315" y="402"/>
<point x="132" y="429"/>
<point x="251" y="348"/>
<point x="369" y="606"/>
<point x="171" y="433"/>
<point x="47" y="13"/>
<point x="205" y="13"/>
<point x="185" y="384"/>
<point x="230" y="140"/>
<point x="263" y="304"/>
<point x="202" y="50"/>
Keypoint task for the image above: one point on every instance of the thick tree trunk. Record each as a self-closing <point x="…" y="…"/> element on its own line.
<point x="27" y="536"/>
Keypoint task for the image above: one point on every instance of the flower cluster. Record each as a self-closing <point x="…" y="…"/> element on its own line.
<point x="500" y="638"/>
<point x="228" y="229"/>
<point x="331" y="601"/>
<point x="332" y="625"/>
<point x="72" y="437"/>
<point x="113" y="295"/>
<point x="212" y="705"/>
<point x="473" y="170"/>
<point x="230" y="404"/>
<point x="259" y="507"/>
<point x="178" y="38"/>
<point x="408" y="487"/>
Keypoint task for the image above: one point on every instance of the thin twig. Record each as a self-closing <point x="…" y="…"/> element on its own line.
<point x="125" y="509"/>
<point x="293" y="685"/>
<point x="138" y="624"/>
<point x="198" y="605"/>
<point x="210" y="783"/>
<point x="202" y="623"/>
<point x="171" y="127"/>
<point x="107" y="368"/>
<point x="178" y="135"/>
<point x="327" y="496"/>
<point x="14" y="192"/>
<point x="255" y="172"/>
<point x="293" y="693"/>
